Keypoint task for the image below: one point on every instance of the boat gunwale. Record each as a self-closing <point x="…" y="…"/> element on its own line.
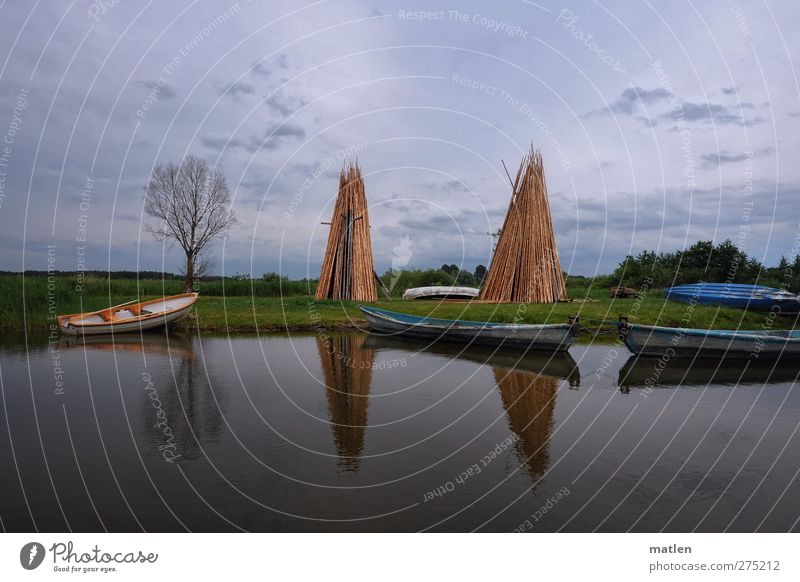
<point x="721" y="333"/>
<point x="64" y="320"/>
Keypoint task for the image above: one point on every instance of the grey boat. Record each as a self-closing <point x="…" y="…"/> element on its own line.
<point x="678" y="342"/>
<point x="546" y="337"/>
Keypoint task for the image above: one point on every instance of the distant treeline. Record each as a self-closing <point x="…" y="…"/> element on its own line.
<point x="705" y="261"/>
<point x="400" y="280"/>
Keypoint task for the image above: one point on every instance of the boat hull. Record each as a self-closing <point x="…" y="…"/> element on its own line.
<point x="690" y="343"/>
<point x="442" y="292"/>
<point x="171" y="310"/>
<point x="536" y="337"/>
<point x="737" y="296"/>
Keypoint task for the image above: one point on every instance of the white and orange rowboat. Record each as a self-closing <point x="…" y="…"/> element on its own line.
<point x="129" y="316"/>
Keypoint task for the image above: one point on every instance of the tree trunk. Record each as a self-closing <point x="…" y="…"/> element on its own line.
<point x="189" y="285"/>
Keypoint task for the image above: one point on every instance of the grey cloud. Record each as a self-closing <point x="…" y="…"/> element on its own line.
<point x="712" y="113"/>
<point x="628" y="102"/>
<point x="728" y="90"/>
<point x="716" y="159"/>
<point x="163" y="89"/>
<point x="284" y="105"/>
<point x="265" y="68"/>
<point x="238" y="89"/>
<point x="269" y="140"/>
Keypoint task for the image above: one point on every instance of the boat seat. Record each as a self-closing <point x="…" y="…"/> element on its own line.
<point x="107" y="314"/>
<point x="135" y="309"/>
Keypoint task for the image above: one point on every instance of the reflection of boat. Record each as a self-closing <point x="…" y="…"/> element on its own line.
<point x="644" y="371"/>
<point x="129" y="316"/>
<point x="539" y="337"/>
<point x="739" y="296"/>
<point x="529" y="401"/>
<point x="678" y="342"/>
<point x="556" y="364"/>
<point x="441" y="292"/>
<point x="161" y="343"/>
<point x="347" y="368"/>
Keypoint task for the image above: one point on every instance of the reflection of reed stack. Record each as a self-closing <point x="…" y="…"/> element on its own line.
<point x="525" y="267"/>
<point x="347" y="367"/>
<point x="347" y="269"/>
<point x="529" y="400"/>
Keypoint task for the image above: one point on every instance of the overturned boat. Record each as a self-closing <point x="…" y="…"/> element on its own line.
<point x="738" y="296"/>
<point x="441" y="292"/>
<point x="678" y="342"/>
<point x="131" y="316"/>
<point x="547" y="337"/>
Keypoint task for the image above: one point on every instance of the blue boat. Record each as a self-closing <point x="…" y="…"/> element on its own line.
<point x="736" y="295"/>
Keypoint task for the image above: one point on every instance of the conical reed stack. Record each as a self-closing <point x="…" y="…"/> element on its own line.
<point x="525" y="267"/>
<point x="347" y="268"/>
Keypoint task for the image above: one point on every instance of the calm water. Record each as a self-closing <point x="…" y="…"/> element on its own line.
<point x="292" y="433"/>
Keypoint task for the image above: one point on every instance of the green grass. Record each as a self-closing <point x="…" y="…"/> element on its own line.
<point x="243" y="312"/>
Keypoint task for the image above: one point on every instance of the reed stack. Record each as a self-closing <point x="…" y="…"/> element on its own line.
<point x="347" y="268"/>
<point x="525" y="267"/>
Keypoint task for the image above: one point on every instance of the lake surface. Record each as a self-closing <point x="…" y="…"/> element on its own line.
<point x="355" y="433"/>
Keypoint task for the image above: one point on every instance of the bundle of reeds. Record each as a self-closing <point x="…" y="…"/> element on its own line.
<point x="347" y="269"/>
<point x="525" y="267"/>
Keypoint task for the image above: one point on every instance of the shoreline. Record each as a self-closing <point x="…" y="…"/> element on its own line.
<point x="246" y="314"/>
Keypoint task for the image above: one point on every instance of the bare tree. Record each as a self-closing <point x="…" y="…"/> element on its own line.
<point x="191" y="205"/>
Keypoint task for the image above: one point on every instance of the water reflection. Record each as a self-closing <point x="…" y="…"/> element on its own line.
<point x="527" y="382"/>
<point x="645" y="372"/>
<point x="347" y="368"/>
<point x="177" y="400"/>
<point x="529" y="400"/>
<point x="558" y="364"/>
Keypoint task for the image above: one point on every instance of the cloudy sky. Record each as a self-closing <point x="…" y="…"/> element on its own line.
<point x="659" y="125"/>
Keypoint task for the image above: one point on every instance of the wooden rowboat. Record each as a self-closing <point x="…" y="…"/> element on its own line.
<point x="129" y="316"/>
<point x="678" y="342"/>
<point x="553" y="337"/>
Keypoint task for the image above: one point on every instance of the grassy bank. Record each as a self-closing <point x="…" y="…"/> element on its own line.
<point x="245" y="312"/>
